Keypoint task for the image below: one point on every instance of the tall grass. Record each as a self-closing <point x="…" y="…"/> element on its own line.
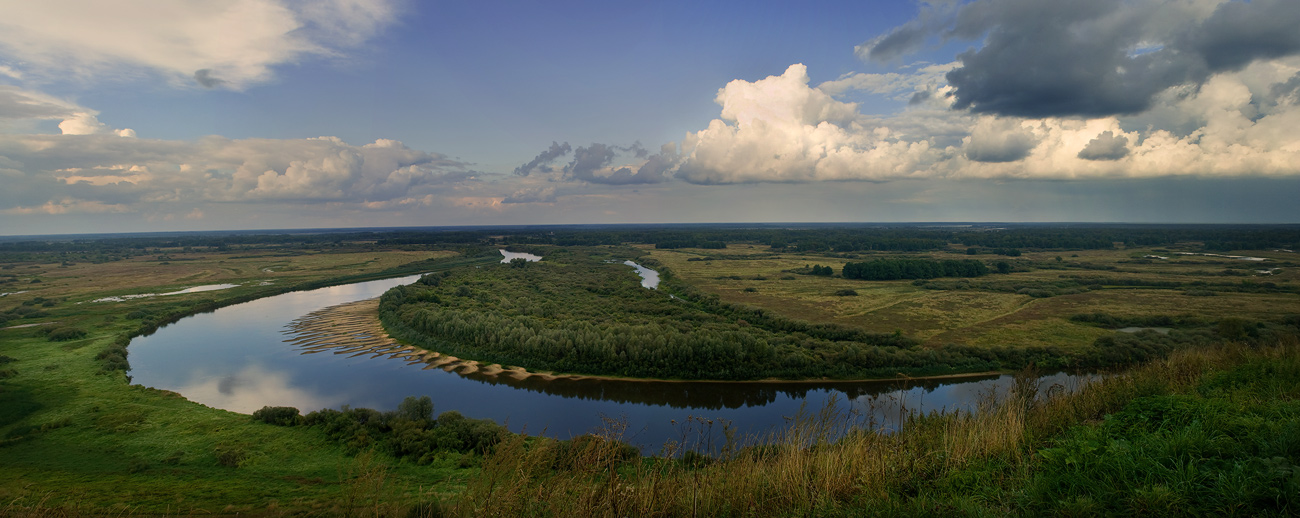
<point x="827" y="463"/>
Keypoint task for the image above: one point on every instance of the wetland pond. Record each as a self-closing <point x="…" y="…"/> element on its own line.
<point x="237" y="358"/>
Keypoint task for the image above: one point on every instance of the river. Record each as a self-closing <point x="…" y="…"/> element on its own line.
<point x="235" y="358"/>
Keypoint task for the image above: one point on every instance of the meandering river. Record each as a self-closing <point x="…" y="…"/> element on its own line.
<point x="236" y="358"/>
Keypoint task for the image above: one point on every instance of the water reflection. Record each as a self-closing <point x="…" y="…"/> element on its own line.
<point x="649" y="278"/>
<point x="235" y="358"/>
<point x="507" y="256"/>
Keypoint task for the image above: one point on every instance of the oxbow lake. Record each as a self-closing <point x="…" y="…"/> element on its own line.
<point x="235" y="358"/>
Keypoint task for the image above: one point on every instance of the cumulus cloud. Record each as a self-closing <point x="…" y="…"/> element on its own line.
<point x="543" y="160"/>
<point x="128" y="172"/>
<point x="595" y="163"/>
<point x="1219" y="128"/>
<point x="213" y="43"/>
<point x="1095" y="58"/>
<point x="998" y="140"/>
<point x="532" y="195"/>
<point x="1107" y="146"/>
<point x="18" y="105"/>
<point x="779" y="129"/>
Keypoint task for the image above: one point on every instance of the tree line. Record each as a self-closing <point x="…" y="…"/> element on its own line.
<point x="895" y="269"/>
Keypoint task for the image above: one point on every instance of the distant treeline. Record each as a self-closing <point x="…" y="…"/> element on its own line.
<point x="815" y="239"/>
<point x="895" y="269"/>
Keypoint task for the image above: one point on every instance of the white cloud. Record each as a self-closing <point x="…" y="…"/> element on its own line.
<point x="212" y="42"/>
<point x="127" y="172"/>
<point x="779" y="129"/>
<point x="24" y="106"/>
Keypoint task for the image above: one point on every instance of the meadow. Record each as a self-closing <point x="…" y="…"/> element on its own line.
<point x="1207" y="425"/>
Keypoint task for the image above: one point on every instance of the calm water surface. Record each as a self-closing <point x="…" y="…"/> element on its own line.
<point x="235" y="358"/>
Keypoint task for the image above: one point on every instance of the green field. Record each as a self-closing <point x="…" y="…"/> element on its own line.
<point x="990" y="318"/>
<point x="1206" y="425"/>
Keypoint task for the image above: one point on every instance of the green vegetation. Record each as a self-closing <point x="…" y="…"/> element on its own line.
<point x="1212" y="432"/>
<point x="894" y="269"/>
<point x="1201" y="428"/>
<point x="579" y="313"/>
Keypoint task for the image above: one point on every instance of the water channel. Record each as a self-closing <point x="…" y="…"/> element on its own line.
<point x="236" y="358"/>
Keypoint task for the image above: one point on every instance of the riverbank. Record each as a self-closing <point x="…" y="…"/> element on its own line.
<point x="1210" y="431"/>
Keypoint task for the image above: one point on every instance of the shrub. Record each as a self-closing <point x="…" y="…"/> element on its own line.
<point x="64" y="334"/>
<point x="278" y="415"/>
<point x="846" y="293"/>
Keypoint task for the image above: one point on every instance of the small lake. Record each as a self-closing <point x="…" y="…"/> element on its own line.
<point x="235" y="358"/>
<point x="507" y="256"/>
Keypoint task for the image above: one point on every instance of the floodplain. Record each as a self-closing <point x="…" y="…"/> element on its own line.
<point x="1216" y="397"/>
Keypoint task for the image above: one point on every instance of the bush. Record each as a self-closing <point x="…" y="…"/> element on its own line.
<point x="846" y="293"/>
<point x="64" y="334"/>
<point x="278" y="415"/>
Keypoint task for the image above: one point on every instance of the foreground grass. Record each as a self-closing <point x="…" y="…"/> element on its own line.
<point x="76" y="438"/>
<point x="1204" y="432"/>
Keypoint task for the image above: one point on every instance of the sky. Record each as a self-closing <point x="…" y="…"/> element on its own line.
<point x="138" y="115"/>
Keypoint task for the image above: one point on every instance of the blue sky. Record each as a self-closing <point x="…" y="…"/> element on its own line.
<point x="207" y="115"/>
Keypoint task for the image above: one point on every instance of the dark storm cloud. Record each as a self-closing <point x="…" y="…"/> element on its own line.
<point x="1105" y="147"/>
<point x="1239" y="33"/>
<point x="205" y="78"/>
<point x="543" y="159"/>
<point x="1043" y="58"/>
<point x="910" y="36"/>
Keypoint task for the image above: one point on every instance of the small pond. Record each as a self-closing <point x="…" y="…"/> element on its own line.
<point x="236" y="358"/>
<point x="507" y="256"/>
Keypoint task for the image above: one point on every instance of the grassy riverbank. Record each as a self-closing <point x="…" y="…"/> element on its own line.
<point x="1209" y="432"/>
<point x="76" y="438"/>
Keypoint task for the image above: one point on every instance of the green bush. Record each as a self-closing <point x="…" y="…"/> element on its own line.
<point x="64" y="334"/>
<point x="278" y="415"/>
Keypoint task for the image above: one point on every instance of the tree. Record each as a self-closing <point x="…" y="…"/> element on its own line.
<point x="1003" y="267"/>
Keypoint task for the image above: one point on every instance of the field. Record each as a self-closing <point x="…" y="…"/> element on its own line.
<point x="756" y="276"/>
<point x="1209" y="428"/>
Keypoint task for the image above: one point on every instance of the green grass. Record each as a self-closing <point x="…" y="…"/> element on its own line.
<point x="1208" y="432"/>
<point x="75" y="438"/>
<point x="984" y="317"/>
